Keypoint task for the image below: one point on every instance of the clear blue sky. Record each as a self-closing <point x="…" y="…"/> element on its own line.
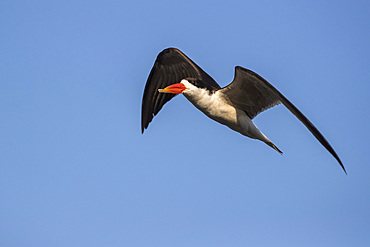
<point x="75" y="169"/>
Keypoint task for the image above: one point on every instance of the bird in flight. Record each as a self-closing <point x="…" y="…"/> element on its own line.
<point x="235" y="105"/>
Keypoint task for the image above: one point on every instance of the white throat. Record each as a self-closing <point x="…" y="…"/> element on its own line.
<point x="214" y="105"/>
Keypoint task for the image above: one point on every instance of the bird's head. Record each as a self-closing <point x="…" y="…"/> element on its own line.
<point x="188" y="84"/>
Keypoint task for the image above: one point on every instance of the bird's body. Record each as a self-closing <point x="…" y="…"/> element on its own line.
<point x="218" y="107"/>
<point x="214" y="104"/>
<point x="234" y="105"/>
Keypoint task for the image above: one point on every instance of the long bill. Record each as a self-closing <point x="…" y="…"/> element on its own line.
<point x="175" y="88"/>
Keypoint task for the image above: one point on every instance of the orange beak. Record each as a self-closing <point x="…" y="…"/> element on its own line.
<point x="175" y="88"/>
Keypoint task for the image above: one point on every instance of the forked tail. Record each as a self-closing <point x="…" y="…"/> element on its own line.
<point x="274" y="146"/>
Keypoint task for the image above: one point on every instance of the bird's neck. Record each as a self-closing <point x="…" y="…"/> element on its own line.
<point x="199" y="97"/>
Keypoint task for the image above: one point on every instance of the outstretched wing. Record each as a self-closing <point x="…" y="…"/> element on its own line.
<point x="253" y="94"/>
<point x="250" y="92"/>
<point x="170" y="67"/>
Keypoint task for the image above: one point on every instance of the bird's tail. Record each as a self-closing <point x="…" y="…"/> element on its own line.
<point x="274" y="147"/>
<point x="255" y="133"/>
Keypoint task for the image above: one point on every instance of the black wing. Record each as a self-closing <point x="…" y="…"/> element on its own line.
<point x="253" y="94"/>
<point x="170" y="67"/>
<point x="250" y="92"/>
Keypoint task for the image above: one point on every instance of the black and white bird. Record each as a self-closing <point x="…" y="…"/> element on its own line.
<point x="235" y="105"/>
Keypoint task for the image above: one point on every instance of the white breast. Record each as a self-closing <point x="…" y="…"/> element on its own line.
<point x="214" y="105"/>
<point x="217" y="107"/>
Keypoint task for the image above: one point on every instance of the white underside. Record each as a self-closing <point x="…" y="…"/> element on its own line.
<point x="217" y="107"/>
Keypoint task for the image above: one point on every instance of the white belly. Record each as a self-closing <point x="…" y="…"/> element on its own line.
<point x="216" y="107"/>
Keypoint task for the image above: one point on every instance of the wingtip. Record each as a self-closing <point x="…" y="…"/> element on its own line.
<point x="142" y="128"/>
<point x="344" y="169"/>
<point x="340" y="162"/>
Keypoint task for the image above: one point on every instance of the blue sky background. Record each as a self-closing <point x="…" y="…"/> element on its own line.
<point x="75" y="169"/>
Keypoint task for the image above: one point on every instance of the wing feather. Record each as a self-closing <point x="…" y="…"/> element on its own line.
<point x="170" y="67"/>
<point x="253" y="94"/>
<point x="250" y="92"/>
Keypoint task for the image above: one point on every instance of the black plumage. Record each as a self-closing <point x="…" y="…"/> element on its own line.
<point x="248" y="92"/>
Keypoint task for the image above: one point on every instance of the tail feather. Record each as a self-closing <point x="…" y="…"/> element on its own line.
<point x="274" y="147"/>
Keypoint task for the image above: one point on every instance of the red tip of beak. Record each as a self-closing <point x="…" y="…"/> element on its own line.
<point x="175" y="88"/>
